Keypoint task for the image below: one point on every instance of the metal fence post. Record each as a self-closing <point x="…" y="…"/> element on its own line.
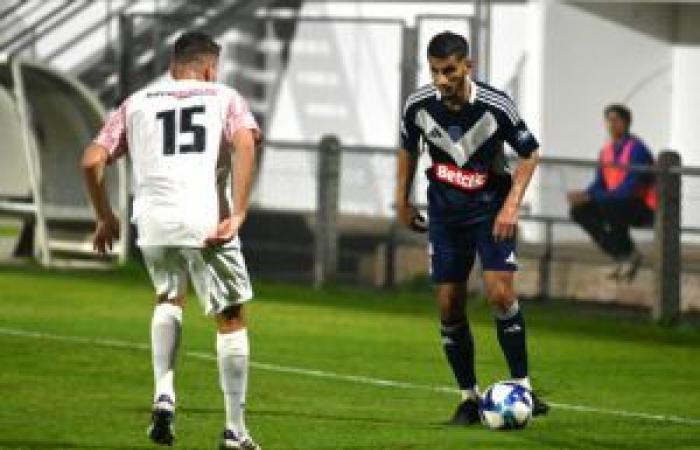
<point x="126" y="34"/>
<point x="666" y="308"/>
<point x="545" y="267"/>
<point x="390" y="256"/>
<point x="326" y="239"/>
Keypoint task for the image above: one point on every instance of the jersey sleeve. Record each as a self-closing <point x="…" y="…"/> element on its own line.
<point x="238" y="116"/>
<point x="515" y="130"/>
<point x="410" y="133"/>
<point x="112" y="136"/>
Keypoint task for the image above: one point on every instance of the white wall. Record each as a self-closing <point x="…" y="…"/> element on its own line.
<point x="595" y="54"/>
<point x="345" y="78"/>
<point x="685" y="109"/>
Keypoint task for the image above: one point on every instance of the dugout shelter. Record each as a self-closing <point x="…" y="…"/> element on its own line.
<point x="46" y="120"/>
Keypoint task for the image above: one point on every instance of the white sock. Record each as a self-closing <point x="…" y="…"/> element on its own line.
<point x="165" y="341"/>
<point x="232" y="352"/>
<point x="470" y="394"/>
<point x="524" y="382"/>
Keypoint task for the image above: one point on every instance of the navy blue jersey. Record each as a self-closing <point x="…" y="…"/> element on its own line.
<point x="468" y="180"/>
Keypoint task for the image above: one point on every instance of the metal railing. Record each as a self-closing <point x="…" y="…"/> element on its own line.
<point x="667" y="229"/>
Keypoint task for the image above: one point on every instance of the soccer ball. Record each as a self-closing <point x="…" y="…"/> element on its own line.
<point x="506" y="406"/>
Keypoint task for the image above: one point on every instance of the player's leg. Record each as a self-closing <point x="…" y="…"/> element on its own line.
<point x="451" y="259"/>
<point x="498" y="260"/>
<point x="167" y="270"/>
<point x="232" y="350"/>
<point x="510" y="323"/>
<point x="222" y="283"/>
<point x="621" y="215"/>
<point x="458" y="345"/>
<point x="590" y="217"/>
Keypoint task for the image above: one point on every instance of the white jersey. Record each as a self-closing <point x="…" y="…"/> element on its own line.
<point x="173" y="132"/>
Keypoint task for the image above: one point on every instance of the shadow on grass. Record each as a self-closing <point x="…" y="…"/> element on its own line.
<point x="296" y="415"/>
<point x="47" y="444"/>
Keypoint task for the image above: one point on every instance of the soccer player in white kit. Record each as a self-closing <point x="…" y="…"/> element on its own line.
<point x="174" y="132"/>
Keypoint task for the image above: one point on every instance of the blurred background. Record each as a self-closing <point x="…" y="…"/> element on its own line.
<point x="326" y="80"/>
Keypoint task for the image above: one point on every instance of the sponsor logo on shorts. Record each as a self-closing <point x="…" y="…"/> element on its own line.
<point x="467" y="180"/>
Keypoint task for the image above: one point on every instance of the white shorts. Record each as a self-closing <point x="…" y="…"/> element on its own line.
<point x="219" y="275"/>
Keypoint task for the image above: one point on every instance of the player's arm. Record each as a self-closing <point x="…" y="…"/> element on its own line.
<point x="519" y="137"/>
<point x="406" y="213"/>
<point x="107" y="227"/>
<point x="243" y="167"/>
<point x="507" y="219"/>
<point x="109" y="145"/>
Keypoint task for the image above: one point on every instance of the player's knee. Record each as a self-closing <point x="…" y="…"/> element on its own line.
<point x="452" y="313"/>
<point x="233" y="312"/>
<point x="230" y="319"/>
<point x="451" y="301"/>
<point x="577" y="213"/>
<point x="177" y="301"/>
<point x="500" y="296"/>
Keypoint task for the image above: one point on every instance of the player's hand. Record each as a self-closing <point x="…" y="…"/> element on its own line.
<point x="576" y="198"/>
<point x="225" y="231"/>
<point x="506" y="223"/>
<point x="408" y="215"/>
<point x="106" y="232"/>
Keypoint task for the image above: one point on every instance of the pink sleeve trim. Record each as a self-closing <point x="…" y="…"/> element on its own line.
<point x="238" y="116"/>
<point x="112" y="136"/>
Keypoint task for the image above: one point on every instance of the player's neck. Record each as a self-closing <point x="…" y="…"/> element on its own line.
<point x="184" y="73"/>
<point x="457" y="102"/>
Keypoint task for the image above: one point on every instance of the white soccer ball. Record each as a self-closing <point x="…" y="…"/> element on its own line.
<point x="506" y="406"/>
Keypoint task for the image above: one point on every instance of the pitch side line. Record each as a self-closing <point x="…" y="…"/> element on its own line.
<point x="114" y="343"/>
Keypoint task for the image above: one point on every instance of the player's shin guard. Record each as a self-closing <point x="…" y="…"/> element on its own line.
<point x="232" y="351"/>
<point x="165" y="341"/>
<point x="510" y="327"/>
<point x="458" y="343"/>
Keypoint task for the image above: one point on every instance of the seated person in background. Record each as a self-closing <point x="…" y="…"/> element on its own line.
<point x="618" y="197"/>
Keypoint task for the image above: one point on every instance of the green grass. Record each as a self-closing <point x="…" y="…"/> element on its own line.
<point x="68" y="395"/>
<point x="8" y="230"/>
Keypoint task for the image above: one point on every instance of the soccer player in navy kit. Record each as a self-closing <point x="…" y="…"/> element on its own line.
<point x="473" y="205"/>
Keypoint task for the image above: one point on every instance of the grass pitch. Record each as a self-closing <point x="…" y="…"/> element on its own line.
<point x="86" y="382"/>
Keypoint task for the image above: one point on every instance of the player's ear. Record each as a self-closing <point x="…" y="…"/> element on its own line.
<point x="468" y="65"/>
<point x="211" y="69"/>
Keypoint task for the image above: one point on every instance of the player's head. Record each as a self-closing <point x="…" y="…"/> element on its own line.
<point x="618" y="119"/>
<point x="448" y="58"/>
<point x="195" y="53"/>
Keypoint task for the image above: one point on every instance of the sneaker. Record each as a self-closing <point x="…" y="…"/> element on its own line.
<point x="161" y="429"/>
<point x="614" y="274"/>
<point x="539" y="406"/>
<point x="467" y="413"/>
<point x="229" y="441"/>
<point x="630" y="267"/>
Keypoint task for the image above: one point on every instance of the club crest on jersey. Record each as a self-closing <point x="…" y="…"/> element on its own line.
<point x="523" y="136"/>
<point x="455" y="132"/>
<point x="466" y="180"/>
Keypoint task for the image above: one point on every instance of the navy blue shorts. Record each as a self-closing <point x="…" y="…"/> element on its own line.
<point x="453" y="248"/>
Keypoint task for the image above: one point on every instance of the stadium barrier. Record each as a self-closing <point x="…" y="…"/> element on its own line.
<point x="48" y="118"/>
<point x="666" y="248"/>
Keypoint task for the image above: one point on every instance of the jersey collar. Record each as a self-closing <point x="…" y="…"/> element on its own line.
<point x="472" y="91"/>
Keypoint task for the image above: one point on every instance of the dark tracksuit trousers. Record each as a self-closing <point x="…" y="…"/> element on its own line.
<point x="608" y="223"/>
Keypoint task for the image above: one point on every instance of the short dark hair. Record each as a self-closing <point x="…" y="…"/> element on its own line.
<point x="621" y="110"/>
<point x="446" y="44"/>
<point x="192" y="45"/>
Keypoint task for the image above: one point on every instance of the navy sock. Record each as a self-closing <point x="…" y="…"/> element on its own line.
<point x="458" y="344"/>
<point x="510" y="328"/>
